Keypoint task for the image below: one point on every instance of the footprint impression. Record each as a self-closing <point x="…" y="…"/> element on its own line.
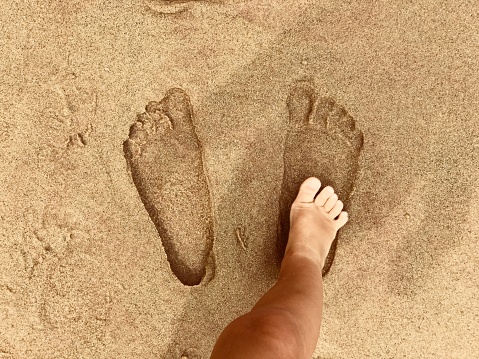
<point x="323" y="142"/>
<point x="166" y="163"/>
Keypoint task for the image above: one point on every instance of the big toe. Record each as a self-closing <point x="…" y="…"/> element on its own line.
<point x="177" y="106"/>
<point x="322" y="109"/>
<point x="308" y="190"/>
<point x="300" y="103"/>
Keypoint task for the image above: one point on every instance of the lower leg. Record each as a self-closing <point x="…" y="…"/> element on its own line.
<point x="285" y="322"/>
<point x="299" y="295"/>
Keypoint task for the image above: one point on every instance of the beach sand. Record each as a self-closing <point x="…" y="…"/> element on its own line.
<point x="83" y="270"/>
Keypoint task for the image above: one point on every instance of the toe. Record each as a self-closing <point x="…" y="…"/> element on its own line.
<point x="324" y="195"/>
<point x="153" y="107"/>
<point x="328" y="206"/>
<point x="336" y="210"/>
<point x="322" y="109"/>
<point x="337" y="115"/>
<point x="341" y="122"/>
<point x="347" y="122"/>
<point x="342" y="219"/>
<point x="177" y="106"/>
<point x="300" y="103"/>
<point x="308" y="190"/>
<point x="138" y="132"/>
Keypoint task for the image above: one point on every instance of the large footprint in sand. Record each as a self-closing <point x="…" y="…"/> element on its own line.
<point x="165" y="159"/>
<point x="323" y="142"/>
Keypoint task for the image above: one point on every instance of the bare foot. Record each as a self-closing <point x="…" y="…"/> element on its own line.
<point x="314" y="220"/>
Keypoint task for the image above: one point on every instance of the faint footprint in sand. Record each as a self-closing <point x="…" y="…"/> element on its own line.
<point x="165" y="159"/>
<point x="170" y="7"/>
<point x="322" y="142"/>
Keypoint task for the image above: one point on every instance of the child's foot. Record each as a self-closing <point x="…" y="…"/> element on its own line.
<point x="315" y="220"/>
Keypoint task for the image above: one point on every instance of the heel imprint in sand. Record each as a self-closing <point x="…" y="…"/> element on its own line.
<point x="165" y="159"/>
<point x="322" y="141"/>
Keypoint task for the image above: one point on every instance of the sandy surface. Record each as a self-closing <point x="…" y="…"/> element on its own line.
<point x="83" y="273"/>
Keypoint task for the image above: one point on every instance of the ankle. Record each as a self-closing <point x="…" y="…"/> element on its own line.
<point x="303" y="254"/>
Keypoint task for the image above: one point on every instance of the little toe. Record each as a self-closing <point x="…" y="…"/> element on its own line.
<point x="300" y="103"/>
<point x="328" y="206"/>
<point x="336" y="211"/>
<point x="308" y="190"/>
<point x="324" y="195"/>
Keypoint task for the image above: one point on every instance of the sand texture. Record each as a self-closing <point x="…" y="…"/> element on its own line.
<point x="115" y="113"/>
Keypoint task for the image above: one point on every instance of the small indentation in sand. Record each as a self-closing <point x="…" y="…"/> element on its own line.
<point x="165" y="7"/>
<point x="6" y="129"/>
<point x="242" y="238"/>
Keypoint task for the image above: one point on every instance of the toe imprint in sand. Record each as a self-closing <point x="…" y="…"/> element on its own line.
<point x="165" y="159"/>
<point x="323" y="142"/>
